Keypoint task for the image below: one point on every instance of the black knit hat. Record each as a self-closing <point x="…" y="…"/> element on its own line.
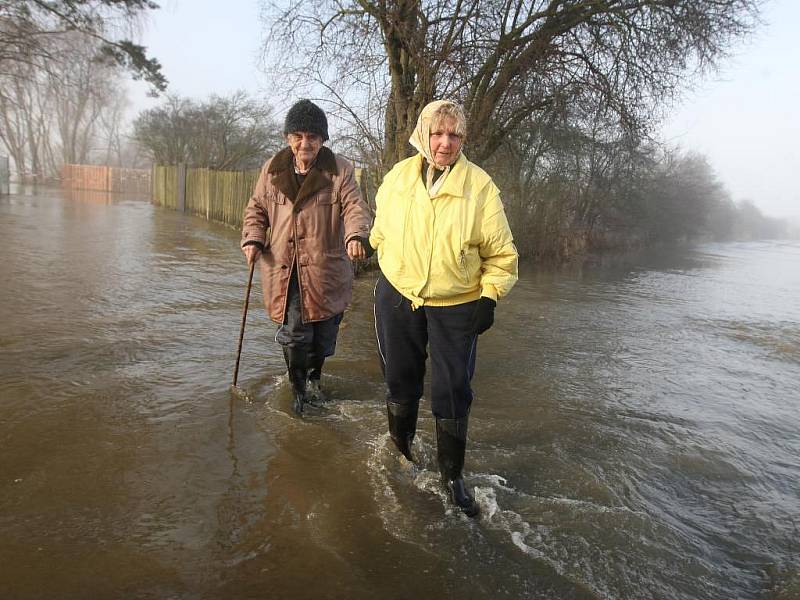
<point x="306" y="116"/>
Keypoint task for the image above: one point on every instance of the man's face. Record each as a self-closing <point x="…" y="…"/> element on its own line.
<point x="305" y="146"/>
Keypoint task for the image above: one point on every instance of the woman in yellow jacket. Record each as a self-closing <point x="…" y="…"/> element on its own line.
<point x="446" y="255"/>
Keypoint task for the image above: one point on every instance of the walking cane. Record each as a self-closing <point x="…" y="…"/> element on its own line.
<point x="244" y="320"/>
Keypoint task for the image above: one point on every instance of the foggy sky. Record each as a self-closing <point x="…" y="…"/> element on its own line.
<point x="744" y="119"/>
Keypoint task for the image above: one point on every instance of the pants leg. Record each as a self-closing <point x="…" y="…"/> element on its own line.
<point x="453" y="347"/>
<point x="305" y="346"/>
<point x="293" y="333"/>
<point x="402" y="339"/>
<point x="324" y="336"/>
<point x="318" y="339"/>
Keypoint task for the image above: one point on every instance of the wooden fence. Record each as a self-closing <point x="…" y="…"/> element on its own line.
<point x="165" y="186"/>
<point x="5" y="175"/>
<point x="219" y="195"/>
<point x="215" y="195"/>
<point x="106" y="179"/>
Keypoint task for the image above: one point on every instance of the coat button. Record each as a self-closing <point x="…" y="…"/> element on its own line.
<point x="284" y="267"/>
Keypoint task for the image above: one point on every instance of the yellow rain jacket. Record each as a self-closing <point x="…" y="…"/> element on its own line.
<point x="447" y="249"/>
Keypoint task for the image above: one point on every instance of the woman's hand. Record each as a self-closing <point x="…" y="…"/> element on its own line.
<point x="484" y="315"/>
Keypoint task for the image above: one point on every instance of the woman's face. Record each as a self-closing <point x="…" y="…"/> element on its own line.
<point x="305" y="146"/>
<point x="445" y="142"/>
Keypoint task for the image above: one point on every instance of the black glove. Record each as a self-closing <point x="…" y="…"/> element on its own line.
<point x="484" y="315"/>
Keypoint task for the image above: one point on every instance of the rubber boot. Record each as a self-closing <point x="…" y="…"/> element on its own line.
<point x="403" y="425"/>
<point x="451" y="444"/>
<point x="296" y="364"/>
<point x="314" y="392"/>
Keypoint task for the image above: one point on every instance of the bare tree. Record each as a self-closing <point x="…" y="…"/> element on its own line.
<point x="26" y="27"/>
<point x="504" y="59"/>
<point x="560" y="95"/>
<point x="81" y="91"/>
<point x="15" y="105"/>
<point x="52" y="117"/>
<point x="233" y="132"/>
<point x="112" y="142"/>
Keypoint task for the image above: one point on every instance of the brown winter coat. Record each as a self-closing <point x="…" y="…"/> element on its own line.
<point x="326" y="213"/>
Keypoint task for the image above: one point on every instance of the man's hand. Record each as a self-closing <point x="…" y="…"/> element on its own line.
<point x="252" y="252"/>
<point x="355" y="250"/>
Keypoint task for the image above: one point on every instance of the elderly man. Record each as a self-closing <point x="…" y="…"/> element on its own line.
<point x="304" y="223"/>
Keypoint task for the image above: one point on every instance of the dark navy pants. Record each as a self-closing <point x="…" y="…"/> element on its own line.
<point x="404" y="336"/>
<point x="318" y="338"/>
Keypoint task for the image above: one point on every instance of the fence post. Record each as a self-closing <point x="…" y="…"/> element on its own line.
<point x="181" y="174"/>
<point x="5" y="175"/>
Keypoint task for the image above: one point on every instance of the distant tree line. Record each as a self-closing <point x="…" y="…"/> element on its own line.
<point x="222" y="132"/>
<point x="61" y="91"/>
<point x="561" y="96"/>
<point x="63" y="98"/>
<point x="573" y="192"/>
<point x="70" y="112"/>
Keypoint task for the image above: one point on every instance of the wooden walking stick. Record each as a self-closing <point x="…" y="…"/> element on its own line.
<point x="244" y="320"/>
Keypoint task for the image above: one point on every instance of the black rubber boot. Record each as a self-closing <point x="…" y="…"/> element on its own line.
<point x="451" y="444"/>
<point x="296" y="364"/>
<point x="314" y="392"/>
<point x="403" y="425"/>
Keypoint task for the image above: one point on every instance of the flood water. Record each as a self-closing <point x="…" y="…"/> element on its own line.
<point x="634" y="432"/>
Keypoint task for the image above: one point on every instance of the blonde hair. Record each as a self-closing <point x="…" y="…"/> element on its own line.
<point x="450" y="110"/>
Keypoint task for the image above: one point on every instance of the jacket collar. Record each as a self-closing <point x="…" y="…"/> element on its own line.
<point x="456" y="178"/>
<point x="281" y="168"/>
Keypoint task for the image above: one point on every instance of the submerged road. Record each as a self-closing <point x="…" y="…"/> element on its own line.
<point x="634" y="433"/>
